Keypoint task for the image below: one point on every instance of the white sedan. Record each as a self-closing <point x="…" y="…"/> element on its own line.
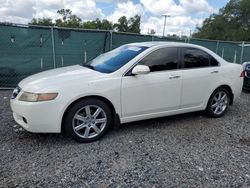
<point x="133" y="82"/>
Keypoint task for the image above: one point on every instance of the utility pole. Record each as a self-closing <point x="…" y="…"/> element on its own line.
<point x="165" y="18"/>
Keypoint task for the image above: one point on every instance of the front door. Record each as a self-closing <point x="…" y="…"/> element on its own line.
<point x="156" y="92"/>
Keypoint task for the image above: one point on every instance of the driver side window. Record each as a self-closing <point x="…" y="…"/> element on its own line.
<point x="161" y="59"/>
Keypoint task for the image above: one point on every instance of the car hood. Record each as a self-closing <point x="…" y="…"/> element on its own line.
<point x="57" y="78"/>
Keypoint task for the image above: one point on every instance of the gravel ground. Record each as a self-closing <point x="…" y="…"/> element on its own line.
<point x="189" y="150"/>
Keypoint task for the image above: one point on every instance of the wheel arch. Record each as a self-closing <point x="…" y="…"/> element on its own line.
<point x="115" y="116"/>
<point x="229" y="89"/>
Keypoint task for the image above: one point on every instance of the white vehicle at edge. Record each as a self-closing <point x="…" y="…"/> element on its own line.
<point x="133" y="82"/>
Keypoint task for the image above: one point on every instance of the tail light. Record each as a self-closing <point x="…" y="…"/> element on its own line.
<point x="242" y="74"/>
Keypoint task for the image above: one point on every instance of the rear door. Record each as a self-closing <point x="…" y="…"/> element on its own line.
<point x="200" y="74"/>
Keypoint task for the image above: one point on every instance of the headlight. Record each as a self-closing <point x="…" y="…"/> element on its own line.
<point x="37" y="97"/>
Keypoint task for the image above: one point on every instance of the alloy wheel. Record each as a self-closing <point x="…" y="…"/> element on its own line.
<point x="89" y="121"/>
<point x="219" y="102"/>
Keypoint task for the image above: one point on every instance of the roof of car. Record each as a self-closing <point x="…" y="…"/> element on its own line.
<point x="157" y="43"/>
<point x="176" y="44"/>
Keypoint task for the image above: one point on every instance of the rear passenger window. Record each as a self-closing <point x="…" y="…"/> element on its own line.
<point x="162" y="59"/>
<point x="195" y="58"/>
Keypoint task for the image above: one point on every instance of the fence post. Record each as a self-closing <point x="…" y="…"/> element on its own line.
<point x="53" y="46"/>
<point x="217" y="46"/>
<point x="242" y="52"/>
<point x="111" y="40"/>
<point x="85" y="52"/>
<point x="235" y="56"/>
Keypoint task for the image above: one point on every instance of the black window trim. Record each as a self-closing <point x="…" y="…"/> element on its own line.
<point x="183" y="64"/>
<point x="128" y="72"/>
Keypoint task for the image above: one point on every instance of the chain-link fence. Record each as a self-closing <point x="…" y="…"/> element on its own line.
<point x="26" y="49"/>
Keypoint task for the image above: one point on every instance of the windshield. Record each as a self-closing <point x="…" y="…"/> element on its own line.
<point x="115" y="59"/>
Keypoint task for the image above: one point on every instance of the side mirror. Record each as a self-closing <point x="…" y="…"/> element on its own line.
<point x="140" y="69"/>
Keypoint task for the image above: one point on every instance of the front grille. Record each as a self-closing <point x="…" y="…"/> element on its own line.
<point x="16" y="91"/>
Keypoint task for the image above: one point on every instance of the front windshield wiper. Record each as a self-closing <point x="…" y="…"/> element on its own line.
<point x="89" y="66"/>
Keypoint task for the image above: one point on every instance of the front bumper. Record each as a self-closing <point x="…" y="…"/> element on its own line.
<point x="37" y="117"/>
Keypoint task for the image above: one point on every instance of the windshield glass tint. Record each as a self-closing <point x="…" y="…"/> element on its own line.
<point x="115" y="59"/>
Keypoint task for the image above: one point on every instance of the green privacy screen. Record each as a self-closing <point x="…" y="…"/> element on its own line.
<point x="22" y="51"/>
<point x="26" y="50"/>
<point x="79" y="46"/>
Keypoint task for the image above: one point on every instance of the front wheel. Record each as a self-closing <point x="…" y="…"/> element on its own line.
<point x="218" y="103"/>
<point x="88" y="120"/>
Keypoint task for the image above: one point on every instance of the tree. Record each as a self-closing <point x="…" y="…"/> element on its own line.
<point x="65" y="13"/>
<point x="73" y="21"/>
<point x="132" y="25"/>
<point x="68" y="20"/>
<point x="231" y="23"/>
<point x="106" y="25"/>
<point x="42" y="21"/>
<point x="98" y="24"/>
<point x="89" y="25"/>
<point x="122" y="25"/>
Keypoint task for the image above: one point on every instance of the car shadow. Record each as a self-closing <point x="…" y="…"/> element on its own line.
<point x="246" y="91"/>
<point x="43" y="138"/>
<point x="63" y="139"/>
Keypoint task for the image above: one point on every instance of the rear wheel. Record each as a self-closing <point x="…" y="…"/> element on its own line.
<point x="218" y="103"/>
<point x="88" y="120"/>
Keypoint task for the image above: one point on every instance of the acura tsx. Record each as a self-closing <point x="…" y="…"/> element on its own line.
<point x="133" y="82"/>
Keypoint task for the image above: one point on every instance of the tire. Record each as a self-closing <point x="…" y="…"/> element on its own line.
<point x="218" y="103"/>
<point x="88" y="120"/>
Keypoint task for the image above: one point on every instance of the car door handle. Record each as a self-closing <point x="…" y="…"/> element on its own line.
<point x="174" y="77"/>
<point x="214" y="72"/>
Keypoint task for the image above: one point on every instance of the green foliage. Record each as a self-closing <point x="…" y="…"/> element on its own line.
<point x="98" y="24"/>
<point x="231" y="23"/>
<point x="132" y="25"/>
<point x="43" y="21"/>
<point x="73" y="21"/>
<point x="65" y="13"/>
<point x="122" y="24"/>
<point x="135" y="23"/>
<point x="68" y="20"/>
